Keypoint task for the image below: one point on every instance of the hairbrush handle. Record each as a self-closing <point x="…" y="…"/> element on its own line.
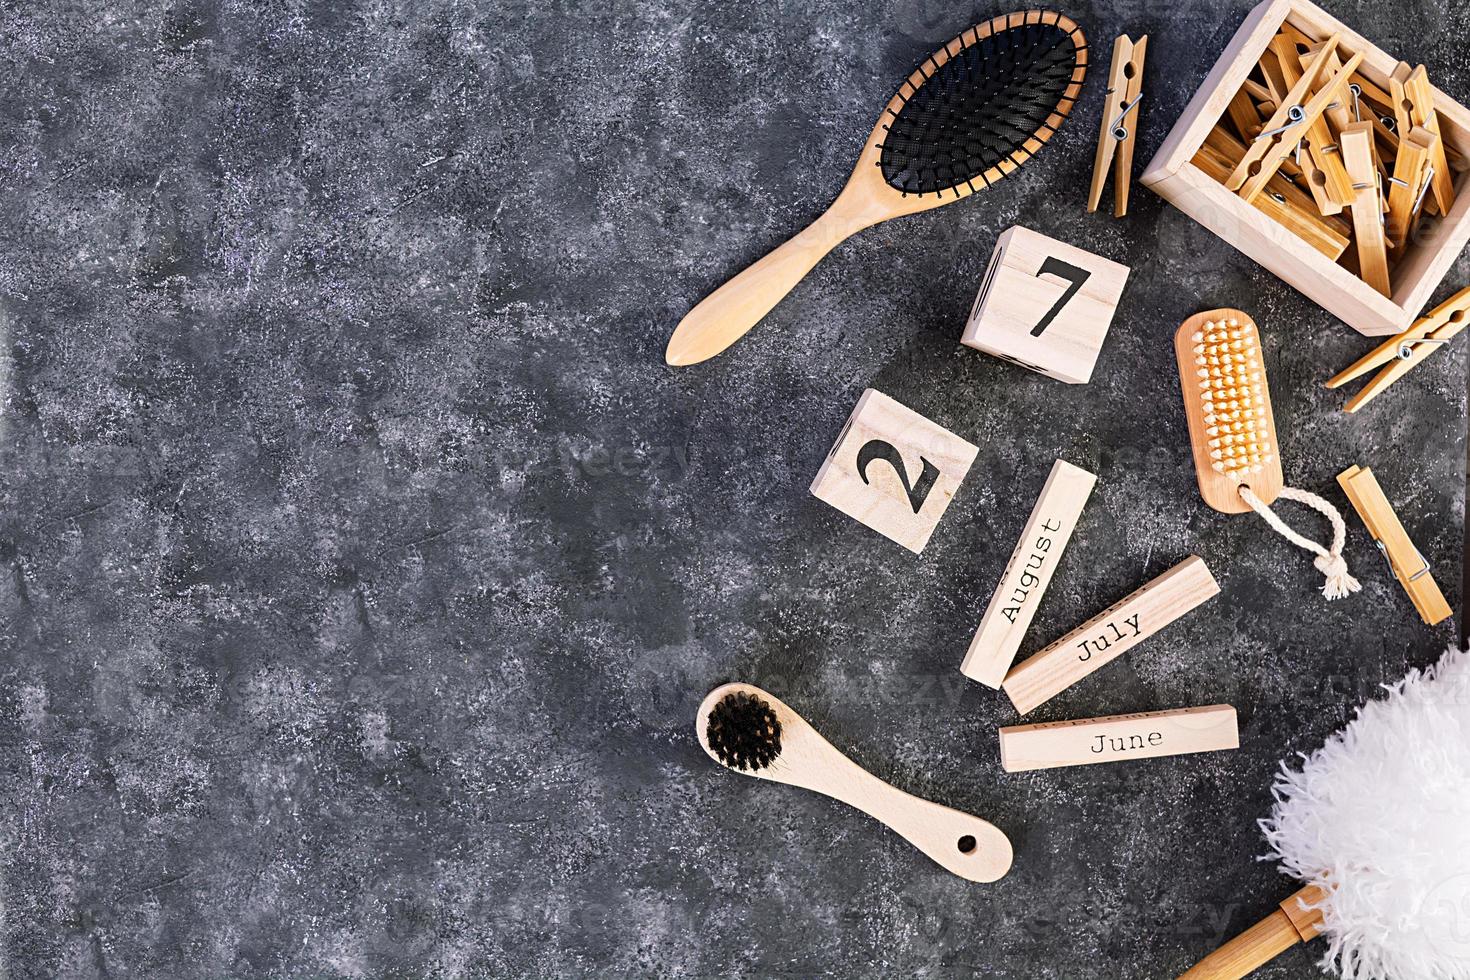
<point x="728" y="313"/>
<point x="1261" y="943"/>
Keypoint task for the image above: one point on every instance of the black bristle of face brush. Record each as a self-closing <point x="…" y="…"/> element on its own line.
<point x="980" y="108"/>
<point x="743" y="732"/>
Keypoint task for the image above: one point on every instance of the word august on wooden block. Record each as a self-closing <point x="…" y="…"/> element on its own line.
<point x="893" y="470"/>
<point x="1110" y="634"/>
<point x="1118" y="738"/>
<point x="1028" y="573"/>
<point x="1045" y="305"/>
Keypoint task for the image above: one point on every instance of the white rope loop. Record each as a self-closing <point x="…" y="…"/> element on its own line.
<point x="1329" y="561"/>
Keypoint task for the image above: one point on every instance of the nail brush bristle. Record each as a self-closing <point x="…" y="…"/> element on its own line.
<point x="1227" y="358"/>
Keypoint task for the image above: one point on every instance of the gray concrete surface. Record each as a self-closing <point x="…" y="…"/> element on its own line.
<point x="363" y="565"/>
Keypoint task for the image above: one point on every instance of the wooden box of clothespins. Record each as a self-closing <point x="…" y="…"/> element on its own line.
<point x="1328" y="161"/>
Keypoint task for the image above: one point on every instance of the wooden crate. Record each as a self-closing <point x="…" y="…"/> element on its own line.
<point x="1173" y="176"/>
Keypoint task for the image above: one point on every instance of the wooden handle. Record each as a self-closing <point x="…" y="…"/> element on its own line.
<point x="729" y="312"/>
<point x="1261" y="943"/>
<point x="1257" y="946"/>
<point x="961" y="843"/>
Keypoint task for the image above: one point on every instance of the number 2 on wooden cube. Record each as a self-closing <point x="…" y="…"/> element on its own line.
<point x="893" y="470"/>
<point x="887" y="451"/>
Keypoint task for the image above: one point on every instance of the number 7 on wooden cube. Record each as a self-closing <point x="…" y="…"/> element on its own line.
<point x="1045" y="305"/>
<point x="893" y="470"/>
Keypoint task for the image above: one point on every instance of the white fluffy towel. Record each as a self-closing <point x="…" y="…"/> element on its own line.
<point x="1380" y="818"/>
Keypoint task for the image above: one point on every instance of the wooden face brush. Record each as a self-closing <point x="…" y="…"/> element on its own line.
<point x="1232" y="431"/>
<point x="745" y="729"/>
<point x="976" y="110"/>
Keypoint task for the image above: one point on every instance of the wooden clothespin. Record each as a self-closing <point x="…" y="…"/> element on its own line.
<point x="1283" y="201"/>
<point x="1289" y="124"/>
<point x="1407" y="186"/>
<point x="1115" y="141"/>
<point x="1355" y="108"/>
<point x="1245" y="115"/>
<point x="1407" y="350"/>
<point x="1413" y="102"/>
<point x="1315" y="181"/>
<point x="1232" y="148"/>
<point x="1255" y="90"/>
<point x="1298" y="38"/>
<point x="1407" y="563"/>
<point x="1320" y="146"/>
<point x="1344" y="111"/>
<point x="1276" y="81"/>
<point x="1368" y="221"/>
<point x="1271" y="97"/>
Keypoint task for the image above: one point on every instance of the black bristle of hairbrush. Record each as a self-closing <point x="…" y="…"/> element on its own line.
<point x="981" y="107"/>
<point x="743" y="732"/>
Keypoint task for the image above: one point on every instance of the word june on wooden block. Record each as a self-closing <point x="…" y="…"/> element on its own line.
<point x="893" y="470"/>
<point x="1028" y="573"/>
<point x="1118" y="738"/>
<point x="1045" y="305"/>
<point x="1110" y="634"/>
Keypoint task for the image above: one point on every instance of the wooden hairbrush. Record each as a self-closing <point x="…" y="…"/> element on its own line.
<point x="1232" y="432"/>
<point x="977" y="109"/>
<point x="750" y="731"/>
<point x="1228" y="405"/>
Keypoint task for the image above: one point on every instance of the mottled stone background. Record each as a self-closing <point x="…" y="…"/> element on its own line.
<point x="362" y="565"/>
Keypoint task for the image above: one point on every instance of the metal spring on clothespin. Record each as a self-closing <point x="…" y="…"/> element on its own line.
<point x="1406" y="349"/>
<point x="1423" y="563"/>
<point x="1294" y="115"/>
<point x="1120" y="132"/>
<point x="1428" y="179"/>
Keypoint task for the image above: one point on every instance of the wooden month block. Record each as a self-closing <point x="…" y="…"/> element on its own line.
<point x="1118" y="738"/>
<point x="893" y="470"/>
<point x="1045" y="305"/>
<point x="1028" y="573"/>
<point x="1110" y="634"/>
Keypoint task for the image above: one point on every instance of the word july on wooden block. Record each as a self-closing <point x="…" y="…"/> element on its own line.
<point x="1118" y="738"/>
<point x="1110" y="634"/>
<point x="893" y="470"/>
<point x="1045" y="305"/>
<point x="1028" y="573"/>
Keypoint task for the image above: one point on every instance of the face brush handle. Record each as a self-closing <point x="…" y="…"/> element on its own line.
<point x="959" y="842"/>
<point x="1275" y="934"/>
<point x="729" y="312"/>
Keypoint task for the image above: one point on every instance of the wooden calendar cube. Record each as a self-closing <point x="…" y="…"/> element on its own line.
<point x="894" y="470"/>
<point x="1045" y="305"/>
